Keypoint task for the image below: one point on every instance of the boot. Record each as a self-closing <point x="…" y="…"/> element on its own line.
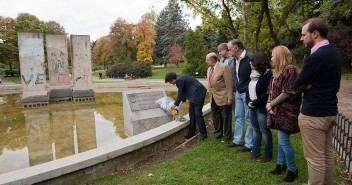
<point x="278" y="169"/>
<point x="291" y="176"/>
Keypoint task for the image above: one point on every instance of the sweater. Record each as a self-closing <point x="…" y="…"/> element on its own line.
<point x="321" y="70"/>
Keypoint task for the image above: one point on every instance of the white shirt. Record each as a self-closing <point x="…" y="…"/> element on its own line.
<point x="238" y="62"/>
<point x="251" y="90"/>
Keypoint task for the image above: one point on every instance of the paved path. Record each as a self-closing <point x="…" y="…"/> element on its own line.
<point x="119" y="85"/>
<point x="345" y="98"/>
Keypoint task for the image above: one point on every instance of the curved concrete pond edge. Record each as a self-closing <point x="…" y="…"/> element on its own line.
<point x="99" y="162"/>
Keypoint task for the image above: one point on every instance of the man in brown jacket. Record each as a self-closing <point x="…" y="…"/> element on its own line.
<point x="220" y="89"/>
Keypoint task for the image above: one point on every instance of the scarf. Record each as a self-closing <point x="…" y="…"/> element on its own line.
<point x="254" y="75"/>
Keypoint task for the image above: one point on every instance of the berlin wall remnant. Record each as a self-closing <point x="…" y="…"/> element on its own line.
<point x="59" y="75"/>
<point x="33" y="78"/>
<point x="82" y="68"/>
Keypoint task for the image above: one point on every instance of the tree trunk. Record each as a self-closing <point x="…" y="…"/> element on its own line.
<point x="245" y="24"/>
<point x="231" y="27"/>
<point x="270" y="24"/>
<point x="257" y="32"/>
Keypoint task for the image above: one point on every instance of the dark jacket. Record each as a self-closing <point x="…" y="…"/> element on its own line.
<point x="189" y="88"/>
<point x="244" y="72"/>
<point x="322" y="70"/>
<point x="261" y="90"/>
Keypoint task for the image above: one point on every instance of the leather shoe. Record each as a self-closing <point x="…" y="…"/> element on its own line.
<point x="218" y="137"/>
<point x="254" y="156"/>
<point x="231" y="144"/>
<point x="202" y="138"/>
<point x="244" y="149"/>
<point x="265" y="159"/>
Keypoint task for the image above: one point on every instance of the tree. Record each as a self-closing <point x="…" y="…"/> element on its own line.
<point x="337" y="12"/>
<point x="170" y="27"/>
<point x="145" y="34"/>
<point x="102" y="52"/>
<point x="8" y="42"/>
<point x="217" y="14"/>
<point x="195" y="52"/>
<point x="175" y="54"/>
<point x="53" y="27"/>
<point x="123" y="42"/>
<point x="26" y="22"/>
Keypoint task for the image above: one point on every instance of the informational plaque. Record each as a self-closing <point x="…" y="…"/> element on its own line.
<point x="144" y="101"/>
<point x="140" y="111"/>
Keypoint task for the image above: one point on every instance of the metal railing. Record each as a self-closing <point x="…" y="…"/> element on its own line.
<point x="342" y="140"/>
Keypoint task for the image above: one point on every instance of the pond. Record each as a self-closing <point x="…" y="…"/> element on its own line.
<point x="37" y="135"/>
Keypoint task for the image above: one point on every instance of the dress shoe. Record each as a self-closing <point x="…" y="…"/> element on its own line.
<point x="202" y="138"/>
<point x="254" y="156"/>
<point x="189" y="136"/>
<point x="291" y="176"/>
<point x="265" y="159"/>
<point x="278" y="169"/>
<point x="218" y="137"/>
<point x="230" y="144"/>
<point x="244" y="149"/>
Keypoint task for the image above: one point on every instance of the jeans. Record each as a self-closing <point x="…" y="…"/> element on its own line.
<point x="285" y="151"/>
<point x="242" y="114"/>
<point x="258" y="121"/>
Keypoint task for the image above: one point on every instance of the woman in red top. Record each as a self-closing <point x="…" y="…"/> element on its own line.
<point x="283" y="109"/>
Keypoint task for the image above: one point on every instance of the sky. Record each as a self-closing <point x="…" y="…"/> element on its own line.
<point x="87" y="17"/>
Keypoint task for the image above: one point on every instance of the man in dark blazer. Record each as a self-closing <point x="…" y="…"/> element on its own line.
<point x="191" y="89"/>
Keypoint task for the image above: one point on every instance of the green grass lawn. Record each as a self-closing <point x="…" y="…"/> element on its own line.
<point x="210" y="162"/>
<point x="15" y="79"/>
<point x="159" y="73"/>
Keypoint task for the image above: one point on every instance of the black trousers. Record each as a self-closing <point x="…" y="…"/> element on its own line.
<point x="196" y="116"/>
<point x="222" y="120"/>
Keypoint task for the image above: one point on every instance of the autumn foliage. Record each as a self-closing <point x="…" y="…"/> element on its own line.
<point x="175" y="54"/>
<point x="145" y="34"/>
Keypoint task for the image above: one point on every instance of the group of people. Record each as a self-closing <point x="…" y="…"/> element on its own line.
<point x="265" y="97"/>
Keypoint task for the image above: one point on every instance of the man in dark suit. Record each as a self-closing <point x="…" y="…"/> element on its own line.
<point x="191" y="89"/>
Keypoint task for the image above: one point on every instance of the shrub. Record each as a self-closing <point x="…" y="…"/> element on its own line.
<point x="137" y="69"/>
<point x="12" y="73"/>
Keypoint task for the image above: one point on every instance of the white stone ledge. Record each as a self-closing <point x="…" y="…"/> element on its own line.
<point x="89" y="158"/>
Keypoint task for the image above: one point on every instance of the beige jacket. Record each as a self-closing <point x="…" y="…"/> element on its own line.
<point x="220" y="86"/>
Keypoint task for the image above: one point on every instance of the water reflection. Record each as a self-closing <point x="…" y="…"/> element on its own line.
<point x="33" y="136"/>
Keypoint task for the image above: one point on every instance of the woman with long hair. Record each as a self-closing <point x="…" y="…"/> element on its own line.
<point x="283" y="108"/>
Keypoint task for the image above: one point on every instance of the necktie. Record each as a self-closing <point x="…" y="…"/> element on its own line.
<point x="211" y="73"/>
